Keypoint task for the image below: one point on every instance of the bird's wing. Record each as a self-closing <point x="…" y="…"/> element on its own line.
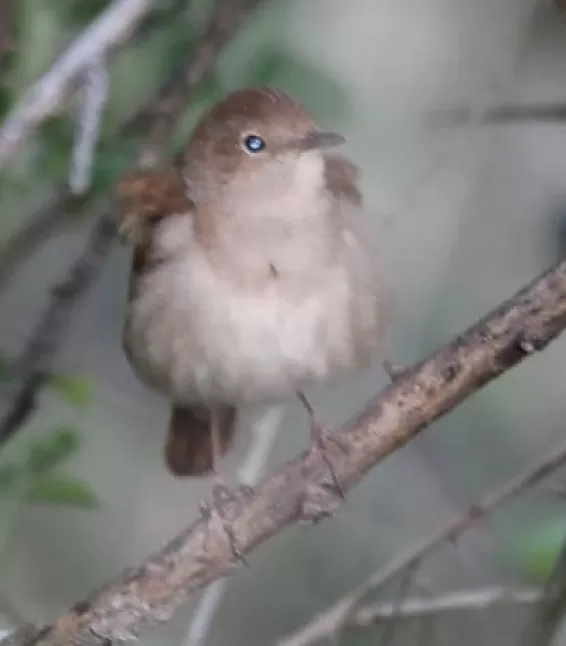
<point x="146" y="196"/>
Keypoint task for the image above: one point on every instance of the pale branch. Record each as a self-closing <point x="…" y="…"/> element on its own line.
<point x="47" y="95"/>
<point x="17" y="397"/>
<point x="205" y="551"/>
<point x="94" y="94"/>
<point x="174" y="95"/>
<point x="264" y="434"/>
<point x="422" y="607"/>
<point x="333" y="619"/>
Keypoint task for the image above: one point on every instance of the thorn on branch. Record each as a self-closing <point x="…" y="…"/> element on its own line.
<point x="394" y="370"/>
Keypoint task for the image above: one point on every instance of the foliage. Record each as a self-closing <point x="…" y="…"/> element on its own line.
<point x="536" y="548"/>
<point x="38" y="472"/>
<point x="77" y="390"/>
<point x="37" y="478"/>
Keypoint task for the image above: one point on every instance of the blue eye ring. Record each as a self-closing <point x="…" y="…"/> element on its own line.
<point x="254" y="143"/>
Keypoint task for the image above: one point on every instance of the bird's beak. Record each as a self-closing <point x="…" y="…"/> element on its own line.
<point x="317" y="139"/>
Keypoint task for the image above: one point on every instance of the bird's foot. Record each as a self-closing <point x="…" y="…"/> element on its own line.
<point x="323" y="499"/>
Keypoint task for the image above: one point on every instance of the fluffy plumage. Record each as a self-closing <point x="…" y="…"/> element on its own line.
<point x="253" y="276"/>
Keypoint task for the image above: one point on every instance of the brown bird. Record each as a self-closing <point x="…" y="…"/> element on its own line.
<point x="252" y="274"/>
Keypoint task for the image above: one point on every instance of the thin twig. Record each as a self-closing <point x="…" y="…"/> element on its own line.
<point x="206" y="551"/>
<point x="46" y="96"/>
<point x="550" y="113"/>
<point x="419" y="608"/>
<point x="57" y="212"/>
<point x="331" y="621"/>
<point x="264" y="434"/>
<point x="17" y="398"/>
<point x="404" y="589"/>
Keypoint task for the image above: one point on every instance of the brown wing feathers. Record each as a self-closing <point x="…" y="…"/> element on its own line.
<point x="146" y="197"/>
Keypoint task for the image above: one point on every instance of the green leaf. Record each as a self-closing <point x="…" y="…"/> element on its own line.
<point x="47" y="454"/>
<point x="63" y="490"/>
<point x="77" y="390"/>
<point x="536" y="549"/>
<point x="321" y="93"/>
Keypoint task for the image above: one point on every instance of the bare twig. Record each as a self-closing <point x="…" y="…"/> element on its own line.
<point x="404" y="589"/>
<point x="419" y="608"/>
<point x="204" y="551"/>
<point x="93" y="100"/>
<point x="333" y="619"/>
<point x="58" y="211"/>
<point x="46" y="96"/>
<point x="17" y="398"/>
<point x="500" y="114"/>
<point x="263" y="437"/>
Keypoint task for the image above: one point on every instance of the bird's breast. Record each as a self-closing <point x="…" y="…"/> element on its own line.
<point x="251" y="325"/>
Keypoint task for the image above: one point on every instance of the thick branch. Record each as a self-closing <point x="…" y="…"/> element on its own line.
<point x="45" y="97"/>
<point x="17" y="398"/>
<point x="203" y="552"/>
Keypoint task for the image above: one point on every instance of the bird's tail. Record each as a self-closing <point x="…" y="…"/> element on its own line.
<point x="188" y="449"/>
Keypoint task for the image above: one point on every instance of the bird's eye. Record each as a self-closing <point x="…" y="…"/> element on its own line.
<point x="254" y="143"/>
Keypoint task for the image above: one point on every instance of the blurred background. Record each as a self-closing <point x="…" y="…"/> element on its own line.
<point x="467" y="212"/>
